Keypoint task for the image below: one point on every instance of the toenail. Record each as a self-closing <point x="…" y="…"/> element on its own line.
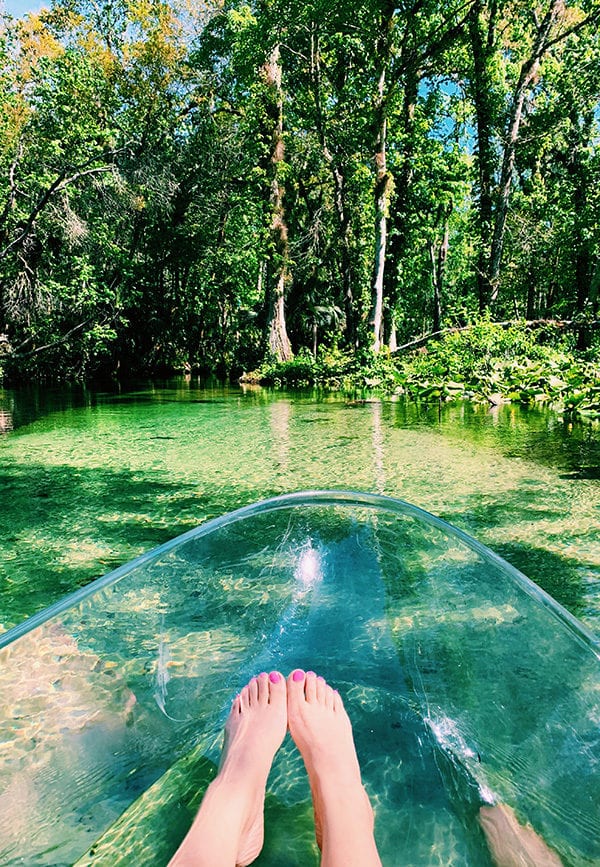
<point x="263" y="674"/>
<point x="320" y="677"/>
<point x="298" y="675"/>
<point x="274" y="677"/>
<point x="310" y="672"/>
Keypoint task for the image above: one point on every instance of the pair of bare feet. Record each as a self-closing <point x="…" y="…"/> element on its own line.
<point x="228" y="829"/>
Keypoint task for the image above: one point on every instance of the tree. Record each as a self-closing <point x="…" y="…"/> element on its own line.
<point x="279" y="343"/>
<point x="211" y="190"/>
<point x="409" y="41"/>
<point x="535" y="32"/>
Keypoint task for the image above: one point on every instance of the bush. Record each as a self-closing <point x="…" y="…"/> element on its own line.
<point x="485" y="361"/>
<point x="512" y="363"/>
<point x="330" y="368"/>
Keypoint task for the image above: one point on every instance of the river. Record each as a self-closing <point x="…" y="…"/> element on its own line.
<point x="90" y="478"/>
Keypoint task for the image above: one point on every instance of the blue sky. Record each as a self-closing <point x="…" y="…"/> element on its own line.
<point x="16" y="8"/>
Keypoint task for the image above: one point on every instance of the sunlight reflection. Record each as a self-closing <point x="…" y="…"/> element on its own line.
<point x="309" y="569"/>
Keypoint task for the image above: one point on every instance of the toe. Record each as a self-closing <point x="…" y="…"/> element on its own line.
<point x="295" y="686"/>
<point x="245" y="698"/>
<point x="252" y="690"/>
<point x="277" y="687"/>
<point x="262" y="688"/>
<point x="338" y="704"/>
<point x="310" y="687"/>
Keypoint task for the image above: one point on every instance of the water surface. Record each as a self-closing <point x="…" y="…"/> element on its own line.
<point x="91" y="478"/>
<point x="465" y="684"/>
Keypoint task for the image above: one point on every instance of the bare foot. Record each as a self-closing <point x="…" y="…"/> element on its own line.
<point x="512" y="844"/>
<point x="228" y="829"/>
<point x="322" y="731"/>
<point x="254" y="732"/>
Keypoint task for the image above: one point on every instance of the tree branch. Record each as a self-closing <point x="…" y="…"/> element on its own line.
<point x="17" y="354"/>
<point x="59" y="183"/>
<point x="592" y="18"/>
<point x="12" y="190"/>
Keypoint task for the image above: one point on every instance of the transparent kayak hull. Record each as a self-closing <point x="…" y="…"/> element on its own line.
<point x="466" y="685"/>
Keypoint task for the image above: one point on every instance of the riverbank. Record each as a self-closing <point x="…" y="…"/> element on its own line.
<point x="487" y="362"/>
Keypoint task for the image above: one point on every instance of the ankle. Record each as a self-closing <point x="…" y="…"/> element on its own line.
<point x="334" y="771"/>
<point x="239" y="765"/>
<point x="238" y="783"/>
<point x="347" y="792"/>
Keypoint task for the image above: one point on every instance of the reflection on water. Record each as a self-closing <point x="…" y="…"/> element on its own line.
<point x="89" y="479"/>
<point x="280" y="413"/>
<point x="6" y="421"/>
<point x="378" y="449"/>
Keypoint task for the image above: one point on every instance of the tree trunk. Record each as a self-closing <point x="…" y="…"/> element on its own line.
<point x="594" y="291"/>
<point x="400" y="207"/>
<point x="438" y="268"/>
<point x="583" y="262"/>
<point x="383" y="184"/>
<point x="339" y="191"/>
<point x="278" y="340"/>
<point x="381" y="204"/>
<point x="531" y="286"/>
<point x="279" y="343"/>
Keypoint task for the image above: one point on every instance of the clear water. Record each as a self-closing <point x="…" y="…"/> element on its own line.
<point x="90" y="479"/>
<point x="465" y="686"/>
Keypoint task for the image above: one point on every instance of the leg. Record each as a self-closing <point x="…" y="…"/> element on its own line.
<point x="228" y="829"/>
<point x="322" y="732"/>
<point x="512" y="844"/>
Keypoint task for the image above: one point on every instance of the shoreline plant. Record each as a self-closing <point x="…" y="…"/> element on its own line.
<point x="486" y="362"/>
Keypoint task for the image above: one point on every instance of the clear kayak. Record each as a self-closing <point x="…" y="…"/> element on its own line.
<point x="466" y="685"/>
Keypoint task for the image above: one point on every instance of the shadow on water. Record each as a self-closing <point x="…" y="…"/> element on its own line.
<point x="557" y="574"/>
<point x="28" y="404"/>
<point x="120" y="516"/>
<point x="519" y="504"/>
<point x="536" y="434"/>
<point x="75" y="524"/>
<point x="586" y="472"/>
<point x="65" y="523"/>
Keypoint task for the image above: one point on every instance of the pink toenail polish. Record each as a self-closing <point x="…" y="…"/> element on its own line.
<point x="320" y="677"/>
<point x="263" y="674"/>
<point x="310" y="672"/>
<point x="274" y="677"/>
<point x="298" y="675"/>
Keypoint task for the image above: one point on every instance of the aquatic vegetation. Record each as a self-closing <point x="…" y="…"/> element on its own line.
<point x="505" y="364"/>
<point x="486" y="361"/>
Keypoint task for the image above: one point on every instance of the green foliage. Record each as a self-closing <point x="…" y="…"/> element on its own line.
<point x="332" y="368"/>
<point x="517" y="363"/>
<point x="484" y="361"/>
<point x="137" y="201"/>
